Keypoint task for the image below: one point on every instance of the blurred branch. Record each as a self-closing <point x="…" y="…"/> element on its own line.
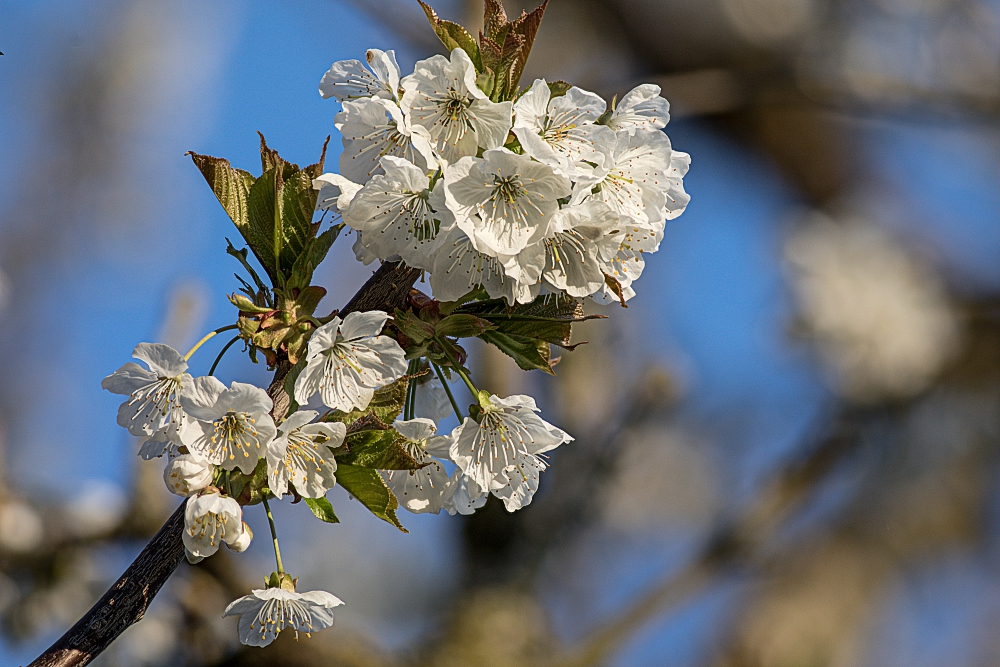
<point x="738" y="542"/>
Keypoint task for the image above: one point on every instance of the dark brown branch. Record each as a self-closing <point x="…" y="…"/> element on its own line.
<point x="126" y="602"/>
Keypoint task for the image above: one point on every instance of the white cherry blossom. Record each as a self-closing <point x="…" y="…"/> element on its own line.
<point x="676" y="198"/>
<point x="635" y="181"/>
<point x="347" y="361"/>
<point x="463" y="496"/>
<point x="516" y="485"/>
<point x="350" y="79"/>
<point x="153" y="407"/>
<point x="400" y="212"/>
<point x="561" y="131"/>
<point x="301" y="455"/>
<point x="209" y="520"/>
<point x="335" y="192"/>
<point x="641" y="108"/>
<point x="423" y="490"/>
<point x="459" y="268"/>
<point x="501" y="450"/>
<point x="230" y="427"/>
<point x="266" y="612"/>
<point x="442" y="96"/>
<point x="503" y="201"/>
<point x="373" y="128"/>
<point x="186" y="475"/>
<point x="569" y="259"/>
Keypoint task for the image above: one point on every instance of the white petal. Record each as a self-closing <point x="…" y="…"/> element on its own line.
<point x="163" y="360"/>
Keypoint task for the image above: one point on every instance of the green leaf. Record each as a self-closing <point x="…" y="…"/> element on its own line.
<point x="495" y="21"/>
<point x="462" y="326"/>
<point x="381" y="450"/>
<point x="367" y="486"/>
<point x="386" y="404"/>
<point x="289" y="384"/>
<point x="453" y="36"/>
<point x="544" y="318"/>
<point x="526" y="26"/>
<point x="529" y="353"/>
<point x="312" y="256"/>
<point x="322" y="509"/>
<point x="489" y="52"/>
<point x="294" y="219"/>
<point x="262" y="203"/>
<point x="231" y="186"/>
<point x="270" y="159"/>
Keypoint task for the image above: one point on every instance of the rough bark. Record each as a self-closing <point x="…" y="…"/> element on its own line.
<point x="126" y="602"/>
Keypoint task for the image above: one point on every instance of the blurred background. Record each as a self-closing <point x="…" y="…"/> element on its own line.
<point x="788" y="445"/>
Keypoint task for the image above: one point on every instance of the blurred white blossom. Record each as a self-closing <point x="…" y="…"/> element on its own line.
<point x="880" y="317"/>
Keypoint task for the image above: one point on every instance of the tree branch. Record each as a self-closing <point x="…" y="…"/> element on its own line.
<point x="126" y="602"/>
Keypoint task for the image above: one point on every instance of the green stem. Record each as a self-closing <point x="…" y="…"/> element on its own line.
<point x="411" y="390"/>
<point x="274" y="538"/>
<point x="221" y="354"/>
<point x="210" y="334"/>
<point x="447" y="390"/>
<point x="461" y="371"/>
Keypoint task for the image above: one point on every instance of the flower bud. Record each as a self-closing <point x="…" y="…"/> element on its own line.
<point x="185" y="475"/>
<point x="243" y="541"/>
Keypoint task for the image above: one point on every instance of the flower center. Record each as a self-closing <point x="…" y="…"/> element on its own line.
<point x="276" y="615"/>
<point x="235" y="431"/>
<point x="303" y="450"/>
<point x="156" y="401"/>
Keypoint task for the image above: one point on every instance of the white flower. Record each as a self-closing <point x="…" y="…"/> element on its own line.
<point x="397" y="213"/>
<point x="459" y="268"/>
<point x="374" y="128"/>
<point x="153" y="407"/>
<point x="503" y="201"/>
<point x="266" y="612"/>
<point x="642" y="108"/>
<point x="463" y="496"/>
<point x="881" y="318"/>
<point x="431" y="400"/>
<point x="560" y="131"/>
<point x="228" y="427"/>
<point x="500" y="452"/>
<point x="423" y="490"/>
<point x="186" y="475"/>
<point x="572" y="253"/>
<point x="442" y="96"/>
<point x="516" y="486"/>
<point x="347" y="361"/>
<point x="676" y="198"/>
<point x="635" y="181"/>
<point x="349" y="79"/>
<point x="301" y="455"/>
<point x="335" y="192"/>
<point x="209" y="520"/>
<point x="621" y="257"/>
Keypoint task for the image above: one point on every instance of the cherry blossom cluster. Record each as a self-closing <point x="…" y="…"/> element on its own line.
<point x="551" y="193"/>
<point x="517" y="203"/>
